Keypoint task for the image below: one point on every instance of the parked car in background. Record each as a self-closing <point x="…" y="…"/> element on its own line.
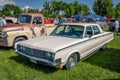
<point x="119" y="24"/>
<point x="66" y="45"/>
<point x="10" y="20"/>
<point x="114" y="24"/>
<point x="28" y="26"/>
<point x="102" y="23"/>
<point x="88" y="20"/>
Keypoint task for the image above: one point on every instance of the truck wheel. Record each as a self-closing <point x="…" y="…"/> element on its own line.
<point x="103" y="47"/>
<point x="72" y="61"/>
<point x="17" y="40"/>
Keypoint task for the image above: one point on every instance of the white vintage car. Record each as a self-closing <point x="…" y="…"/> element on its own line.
<point x="67" y="44"/>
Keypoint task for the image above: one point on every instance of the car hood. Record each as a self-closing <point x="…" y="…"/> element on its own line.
<point x="50" y="43"/>
<point x="12" y="27"/>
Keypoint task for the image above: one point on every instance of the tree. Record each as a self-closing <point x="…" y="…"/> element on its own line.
<point x="16" y="11"/>
<point x="117" y="11"/>
<point x="69" y="10"/>
<point x="46" y="9"/>
<point x="104" y="8"/>
<point x="0" y="13"/>
<point x="76" y="7"/>
<point x="33" y="10"/>
<point x="58" y="8"/>
<point x="11" y="10"/>
<point x="85" y="10"/>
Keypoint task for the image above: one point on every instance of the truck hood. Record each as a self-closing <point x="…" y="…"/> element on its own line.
<point x="12" y="27"/>
<point x="50" y="43"/>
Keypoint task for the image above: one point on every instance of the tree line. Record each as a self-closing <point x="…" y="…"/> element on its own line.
<point x="60" y="8"/>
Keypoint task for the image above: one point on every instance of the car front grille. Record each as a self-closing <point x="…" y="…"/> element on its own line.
<point x="1" y="36"/>
<point x="33" y="52"/>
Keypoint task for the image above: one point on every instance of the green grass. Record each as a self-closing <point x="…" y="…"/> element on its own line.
<point x="103" y="65"/>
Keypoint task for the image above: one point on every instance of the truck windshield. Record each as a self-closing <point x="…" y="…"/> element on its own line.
<point x="71" y="31"/>
<point x="24" y="19"/>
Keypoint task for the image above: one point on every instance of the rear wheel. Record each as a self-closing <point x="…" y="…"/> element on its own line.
<point x="17" y="40"/>
<point x="72" y="61"/>
<point x="103" y="47"/>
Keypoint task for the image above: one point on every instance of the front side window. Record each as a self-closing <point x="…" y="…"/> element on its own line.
<point x="37" y="20"/>
<point x="71" y="31"/>
<point x="24" y="19"/>
<point x="96" y="30"/>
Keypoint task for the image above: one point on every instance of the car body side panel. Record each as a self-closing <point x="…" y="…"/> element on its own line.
<point x="85" y="48"/>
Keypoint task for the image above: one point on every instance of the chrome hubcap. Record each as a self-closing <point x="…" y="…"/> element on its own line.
<point x="73" y="60"/>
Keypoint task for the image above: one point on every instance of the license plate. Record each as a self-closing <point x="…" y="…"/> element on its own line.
<point x="34" y="61"/>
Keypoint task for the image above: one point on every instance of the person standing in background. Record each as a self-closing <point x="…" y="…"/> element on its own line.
<point x="0" y="21"/>
<point x="116" y="25"/>
<point x="3" y="21"/>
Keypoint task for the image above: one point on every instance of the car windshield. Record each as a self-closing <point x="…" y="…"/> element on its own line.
<point x="71" y="31"/>
<point x="24" y="19"/>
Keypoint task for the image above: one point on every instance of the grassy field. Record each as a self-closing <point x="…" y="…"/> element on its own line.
<point x="103" y="65"/>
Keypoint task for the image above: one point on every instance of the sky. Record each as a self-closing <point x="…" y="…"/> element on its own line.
<point x="38" y="3"/>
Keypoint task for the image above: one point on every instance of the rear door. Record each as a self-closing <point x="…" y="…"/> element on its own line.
<point x="93" y="40"/>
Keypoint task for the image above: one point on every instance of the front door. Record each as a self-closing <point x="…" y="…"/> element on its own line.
<point x="38" y="28"/>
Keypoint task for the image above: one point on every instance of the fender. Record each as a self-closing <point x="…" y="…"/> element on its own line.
<point x="65" y="60"/>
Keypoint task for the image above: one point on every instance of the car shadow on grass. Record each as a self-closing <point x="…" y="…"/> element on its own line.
<point x="111" y="79"/>
<point x="108" y="59"/>
<point x="5" y="48"/>
<point x="39" y="67"/>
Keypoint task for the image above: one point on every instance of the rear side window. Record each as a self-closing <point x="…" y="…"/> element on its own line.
<point x="96" y="30"/>
<point x="37" y="20"/>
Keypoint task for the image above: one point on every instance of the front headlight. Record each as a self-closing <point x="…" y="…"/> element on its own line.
<point x="50" y="55"/>
<point x="19" y="47"/>
<point x="5" y="35"/>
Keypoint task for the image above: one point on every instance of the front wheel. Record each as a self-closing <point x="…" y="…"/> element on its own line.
<point x="17" y="40"/>
<point x="72" y="61"/>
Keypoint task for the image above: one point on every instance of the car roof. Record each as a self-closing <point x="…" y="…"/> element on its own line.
<point x="32" y="14"/>
<point x="80" y="24"/>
